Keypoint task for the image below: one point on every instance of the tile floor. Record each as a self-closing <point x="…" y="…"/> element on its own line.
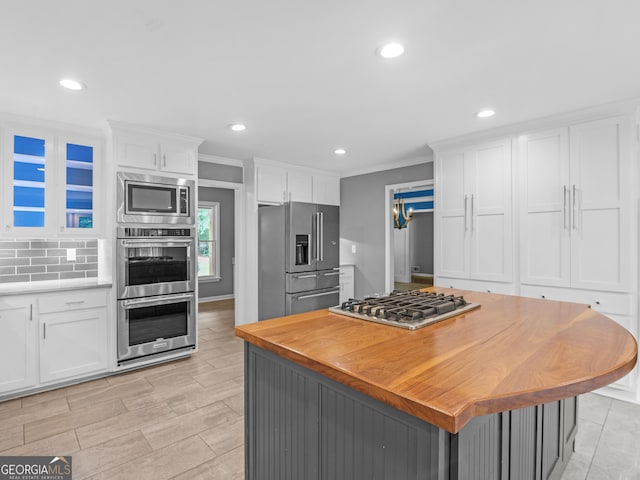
<point x="608" y="440"/>
<point x="184" y="420"/>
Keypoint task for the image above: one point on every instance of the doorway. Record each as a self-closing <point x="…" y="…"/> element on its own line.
<point x="409" y="250"/>
<point x="225" y="289"/>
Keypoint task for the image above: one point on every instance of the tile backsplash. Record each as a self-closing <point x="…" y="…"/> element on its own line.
<point x="24" y="260"/>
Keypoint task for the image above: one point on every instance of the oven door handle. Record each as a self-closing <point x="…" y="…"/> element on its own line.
<point x="129" y="304"/>
<point x="156" y="243"/>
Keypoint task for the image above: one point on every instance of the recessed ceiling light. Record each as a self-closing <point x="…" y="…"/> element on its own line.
<point x="391" y="50"/>
<point x="238" y="127"/>
<point x="485" y="113"/>
<point x="340" y="151"/>
<point x="72" y="84"/>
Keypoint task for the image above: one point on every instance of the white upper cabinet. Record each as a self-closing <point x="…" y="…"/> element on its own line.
<point x="282" y="183"/>
<point x="575" y="225"/>
<point x="141" y="149"/>
<point x="473" y="212"/>
<point x="48" y="183"/>
<point x="299" y="187"/>
<point x="271" y="184"/>
<point x="326" y="189"/>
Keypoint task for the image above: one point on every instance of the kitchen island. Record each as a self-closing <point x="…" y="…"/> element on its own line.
<point x="487" y="394"/>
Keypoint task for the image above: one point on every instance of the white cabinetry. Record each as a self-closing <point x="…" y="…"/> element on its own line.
<point x="326" y="189"/>
<point x="49" y="182"/>
<point x="279" y="183"/>
<point x="473" y="214"/>
<point x="18" y="353"/>
<point x="157" y="151"/>
<point x="575" y="229"/>
<point x="73" y="339"/>
<point x="347" y="282"/>
<point x="52" y="337"/>
<point x="271" y="184"/>
<point x="300" y="187"/>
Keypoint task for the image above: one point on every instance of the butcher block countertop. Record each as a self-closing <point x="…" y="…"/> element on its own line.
<point x="512" y="352"/>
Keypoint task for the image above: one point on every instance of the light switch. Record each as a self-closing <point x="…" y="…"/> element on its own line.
<point x="353" y="248"/>
<point x="71" y="254"/>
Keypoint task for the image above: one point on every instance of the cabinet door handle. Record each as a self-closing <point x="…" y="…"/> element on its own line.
<point x="74" y="302"/>
<point x="574" y="206"/>
<point x="44" y="331"/>
<point x="31" y="312"/>
<point x="472" y="210"/>
<point x="164" y="160"/>
<point x="465" y="212"/>
<point x="155" y="160"/>
<point x="565" y="191"/>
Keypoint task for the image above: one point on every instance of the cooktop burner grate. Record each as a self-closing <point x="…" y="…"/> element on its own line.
<point x="411" y="310"/>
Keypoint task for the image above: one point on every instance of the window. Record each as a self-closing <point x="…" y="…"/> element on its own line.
<point x="209" y="240"/>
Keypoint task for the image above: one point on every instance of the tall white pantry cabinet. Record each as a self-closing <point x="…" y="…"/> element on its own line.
<point x="572" y="188"/>
<point x="474" y="234"/>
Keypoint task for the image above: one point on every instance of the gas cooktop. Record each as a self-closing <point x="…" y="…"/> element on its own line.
<point x="411" y="310"/>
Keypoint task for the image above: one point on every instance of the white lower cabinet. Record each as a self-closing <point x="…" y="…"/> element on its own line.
<point x="476" y="285"/>
<point x="18" y="354"/>
<point x="52" y="338"/>
<point x="347" y="284"/>
<point x="73" y="339"/>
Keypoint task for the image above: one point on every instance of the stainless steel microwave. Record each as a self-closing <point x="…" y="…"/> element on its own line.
<point x="151" y="199"/>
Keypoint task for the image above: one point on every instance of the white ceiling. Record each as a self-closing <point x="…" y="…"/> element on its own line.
<point x="303" y="74"/>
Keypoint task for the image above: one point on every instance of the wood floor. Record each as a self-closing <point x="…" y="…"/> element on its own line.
<point x="181" y="420"/>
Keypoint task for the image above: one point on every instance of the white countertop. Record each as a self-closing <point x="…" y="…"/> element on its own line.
<point x="45" y="286"/>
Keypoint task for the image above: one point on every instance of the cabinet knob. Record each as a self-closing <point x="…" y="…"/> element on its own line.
<point x="488" y="291"/>
<point x="542" y="296"/>
<point x="597" y="302"/>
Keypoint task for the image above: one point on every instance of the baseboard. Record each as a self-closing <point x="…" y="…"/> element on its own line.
<point x="216" y="298"/>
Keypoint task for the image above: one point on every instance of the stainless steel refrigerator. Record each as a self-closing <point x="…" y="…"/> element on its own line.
<point x="298" y="258"/>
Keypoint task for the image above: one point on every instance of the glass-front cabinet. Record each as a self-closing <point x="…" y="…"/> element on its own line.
<point x="79" y="176"/>
<point x="48" y="183"/>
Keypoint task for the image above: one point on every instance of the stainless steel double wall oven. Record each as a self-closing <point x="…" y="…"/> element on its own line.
<point x="156" y="266"/>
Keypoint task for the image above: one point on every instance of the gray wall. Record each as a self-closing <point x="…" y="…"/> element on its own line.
<point x="362" y="221"/>
<point x="225" y="197"/>
<point x="421" y="231"/>
<point x="218" y="171"/>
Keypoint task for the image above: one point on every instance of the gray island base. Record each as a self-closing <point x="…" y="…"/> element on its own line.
<point x="303" y="426"/>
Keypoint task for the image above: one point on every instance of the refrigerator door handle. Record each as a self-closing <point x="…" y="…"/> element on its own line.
<point x="321" y="236"/>
<point x="312" y="275"/>
<point x="317" y="237"/>
<point x="314" y="295"/>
